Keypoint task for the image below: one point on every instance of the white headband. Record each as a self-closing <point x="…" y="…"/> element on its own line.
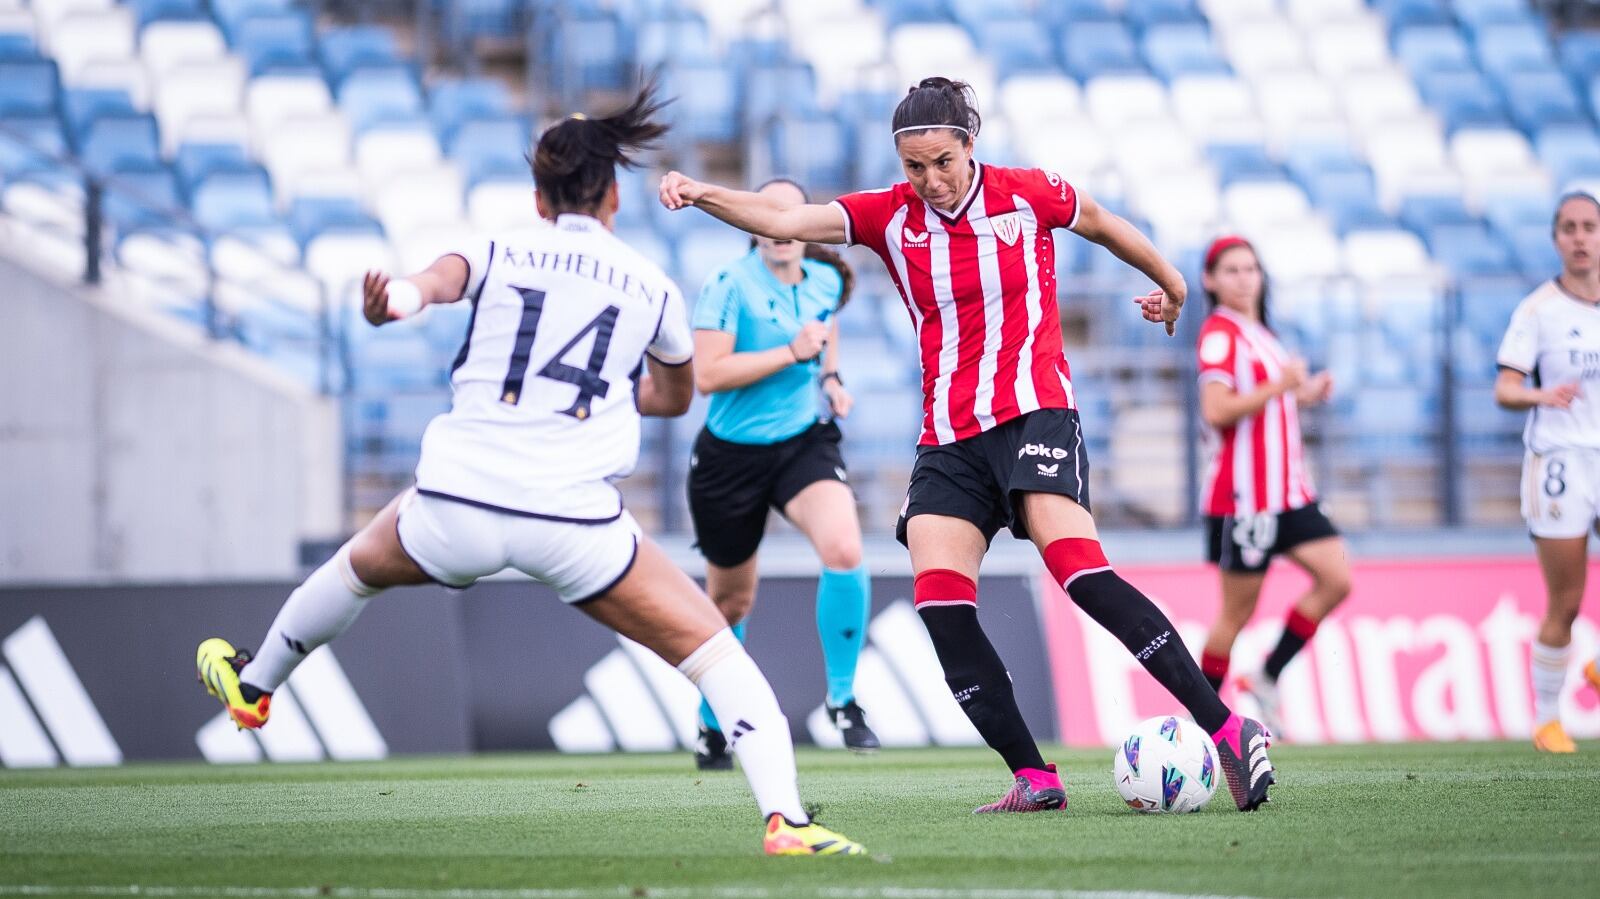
<point x="900" y="131"/>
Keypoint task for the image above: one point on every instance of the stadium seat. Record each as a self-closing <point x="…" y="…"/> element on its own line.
<point x="1425" y="212"/>
<point x="190" y="90"/>
<point x="1425" y="49"/>
<point x="1538" y="99"/>
<point x="1579" y="53"/>
<point x="345" y="49"/>
<point x="674" y="40"/>
<point x="453" y="101"/>
<point x="491" y="148"/>
<point x="1148" y="14"/>
<point x="1243" y="162"/>
<point x="1115" y="100"/>
<point x="113" y="142"/>
<point x="229" y="200"/>
<point x="83" y="37"/>
<point x="1016" y="45"/>
<point x="1476" y="14"/>
<point x="1260" y="47"/>
<point x="1093" y="49"/>
<point x="194" y="161"/>
<point x="80" y="106"/>
<point x="122" y="74"/>
<point x="1379" y="255"/>
<point x="142" y="198"/>
<point x="425" y="197"/>
<point x="770" y="90"/>
<point x="1372" y="99"/>
<point x="387" y="151"/>
<point x="1171" y="50"/>
<point x="814" y="149"/>
<point x="707" y="97"/>
<point x="1258" y="207"/>
<point x="304" y="143"/>
<point x="280" y="40"/>
<point x="1289" y="101"/>
<point x="271" y="99"/>
<point x="369" y="96"/>
<point x="1569" y="152"/>
<point x="1037" y="96"/>
<point x="1503" y="49"/>
<point x="28" y="88"/>
<point x="1470" y="249"/>
<point x="1463" y="98"/>
<point x="1344" y="47"/>
<point x="163" y="45"/>
<point x="27" y="144"/>
<point x="500" y="203"/>
<point x="148" y="12"/>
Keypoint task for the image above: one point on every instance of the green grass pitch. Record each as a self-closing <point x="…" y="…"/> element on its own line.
<point x="1405" y="820"/>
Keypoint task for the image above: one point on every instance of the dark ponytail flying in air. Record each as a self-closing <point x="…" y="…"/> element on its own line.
<point x="938" y="103"/>
<point x="575" y="161"/>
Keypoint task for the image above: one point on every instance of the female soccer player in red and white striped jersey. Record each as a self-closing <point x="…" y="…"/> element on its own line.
<point x="969" y="247"/>
<point x="1258" y="499"/>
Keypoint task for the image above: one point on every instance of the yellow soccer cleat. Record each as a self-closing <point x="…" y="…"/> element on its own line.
<point x="784" y="838"/>
<point x="1552" y="737"/>
<point x="1591" y="673"/>
<point x="217" y="664"/>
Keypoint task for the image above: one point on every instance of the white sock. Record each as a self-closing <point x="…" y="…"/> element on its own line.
<point x="316" y="612"/>
<point x="1549" y="667"/>
<point x="757" y="730"/>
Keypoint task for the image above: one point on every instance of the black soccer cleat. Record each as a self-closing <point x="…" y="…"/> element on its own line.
<point x="1242" y="750"/>
<point x="852" y="725"/>
<point x="711" y="751"/>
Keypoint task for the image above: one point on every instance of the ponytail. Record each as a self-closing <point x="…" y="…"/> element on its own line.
<point x="938" y="103"/>
<point x="575" y="161"/>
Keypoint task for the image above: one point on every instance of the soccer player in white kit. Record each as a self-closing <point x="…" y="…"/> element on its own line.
<point x="1554" y="338"/>
<point x="548" y="390"/>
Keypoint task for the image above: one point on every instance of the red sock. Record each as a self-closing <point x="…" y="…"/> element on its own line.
<point x="1215" y="668"/>
<point x="1073" y="557"/>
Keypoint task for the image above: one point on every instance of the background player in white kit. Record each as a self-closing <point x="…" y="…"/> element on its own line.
<point x="548" y="389"/>
<point x="1554" y="338"/>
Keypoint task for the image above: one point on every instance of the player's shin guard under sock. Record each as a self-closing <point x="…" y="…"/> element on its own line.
<point x="1298" y="630"/>
<point x="757" y="731"/>
<point x="316" y="612"/>
<point x="1080" y="566"/>
<point x="843" y="601"/>
<point x="708" y="718"/>
<point x="1215" y="668"/>
<point x="1549" y="670"/>
<point x="947" y="602"/>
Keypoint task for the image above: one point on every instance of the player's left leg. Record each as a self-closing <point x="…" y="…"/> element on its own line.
<point x="1564" y="562"/>
<point x="1327" y="560"/>
<point x="733" y="591"/>
<point x="1066" y="536"/>
<point x="825" y="511"/>
<point x="1240" y="591"/>
<point x="321" y="608"/>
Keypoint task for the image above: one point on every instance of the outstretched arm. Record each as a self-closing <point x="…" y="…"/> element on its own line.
<point x="1112" y="231"/>
<point x="383" y="300"/>
<point x="760" y="214"/>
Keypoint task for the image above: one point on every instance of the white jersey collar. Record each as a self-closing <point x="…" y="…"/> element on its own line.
<point x="577" y="221"/>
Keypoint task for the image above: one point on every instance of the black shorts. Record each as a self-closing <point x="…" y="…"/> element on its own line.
<point x="1247" y="544"/>
<point x="731" y="486"/>
<point x="981" y="479"/>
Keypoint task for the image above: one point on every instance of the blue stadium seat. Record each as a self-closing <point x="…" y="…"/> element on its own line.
<point x="312" y="216"/>
<point x="1509" y="212"/>
<point x="28" y="88"/>
<point x="228" y="200"/>
<point x="1402" y="13"/>
<point x="374" y="95"/>
<point x="1486" y="303"/>
<point x="1098" y="48"/>
<point x="1242" y="162"/>
<point x="1067" y="12"/>
<point x="770" y="90"/>
<point x="1539" y="99"/>
<point x="17" y="47"/>
<point x="747" y="51"/>
<point x="1470" y="249"/>
<point x="814" y="149"/>
<point x="1015" y="44"/>
<point x="142" y="198"/>
<point x="275" y="41"/>
<point x="1181" y="49"/>
<point x="972" y="14"/>
<point x="230" y="13"/>
<point x="80" y="106"/>
<point x="1570" y="152"/>
<point x="487" y="148"/>
<point x="907" y="12"/>
<point x="680" y="39"/>
<point x="1579" y="52"/>
<point x="345" y="49"/>
<point x="590" y="51"/>
<point x="1147" y="13"/>
<point x="452" y="101"/>
<point x="707" y="101"/>
<point x="28" y="144"/>
<point x="1432" y="48"/>
<point x="1463" y="98"/>
<point x="1535" y="252"/>
<point x="147" y="11"/>
<point x="1511" y="48"/>
<point x="1306" y="159"/>
<point x="194" y="162"/>
<point x="1425" y="212"/>
<point x="1476" y="14"/>
<point x="114" y="142"/>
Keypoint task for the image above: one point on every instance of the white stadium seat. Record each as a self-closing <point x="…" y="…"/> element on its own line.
<point x="81" y="38"/>
<point x="334" y="181"/>
<point x="1376" y="98"/>
<point x="1076" y="148"/>
<point x="1227" y="11"/>
<point x="340" y="259"/>
<point x="1257" y="207"/>
<point x="418" y="198"/>
<point x="1310" y="14"/>
<point x="494" y="205"/>
<point x="195" y="89"/>
<point x="1481" y="153"/>
<point x="208" y="129"/>
<point x="1115" y="99"/>
<point x="1385" y="253"/>
<point x="1344" y="47"/>
<point x="1039" y="96"/>
<point x="1295" y="252"/>
<point x="123" y="74"/>
<point x="305" y="143"/>
<point x="1262" y="46"/>
<point x="167" y="43"/>
<point x="385" y="151"/>
<point x="270" y="99"/>
<point x="1152" y="147"/>
<point x="1182" y="205"/>
<point x="428" y="242"/>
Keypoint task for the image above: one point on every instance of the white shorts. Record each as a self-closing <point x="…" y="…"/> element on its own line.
<point x="1559" y="492"/>
<point x="456" y="544"/>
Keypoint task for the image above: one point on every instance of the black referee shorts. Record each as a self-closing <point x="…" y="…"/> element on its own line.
<point x="1245" y="544"/>
<point x="731" y="486"/>
<point x="981" y="479"/>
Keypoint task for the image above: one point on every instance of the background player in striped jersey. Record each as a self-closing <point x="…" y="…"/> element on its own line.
<point x="763" y="342"/>
<point x="969" y="247"/>
<point x="544" y="416"/>
<point x="1257" y="497"/>
<point x="1554" y="338"/>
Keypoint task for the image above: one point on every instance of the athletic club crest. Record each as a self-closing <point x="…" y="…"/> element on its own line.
<point x="1007" y="227"/>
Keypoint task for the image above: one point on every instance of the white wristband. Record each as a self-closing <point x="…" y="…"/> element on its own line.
<point x="405" y="300"/>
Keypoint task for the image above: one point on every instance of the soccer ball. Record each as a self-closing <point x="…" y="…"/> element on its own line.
<point x="1167" y="764"/>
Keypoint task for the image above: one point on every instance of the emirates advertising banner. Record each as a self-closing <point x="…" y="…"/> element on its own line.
<point x="1422" y="650"/>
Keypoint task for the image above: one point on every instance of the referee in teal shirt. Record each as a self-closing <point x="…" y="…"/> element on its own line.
<point x="765" y="338"/>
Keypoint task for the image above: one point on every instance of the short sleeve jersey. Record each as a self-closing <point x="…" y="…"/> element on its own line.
<point x="1555" y="338"/>
<point x="980" y="286"/>
<point x="544" y="416"/>
<point x="746" y="300"/>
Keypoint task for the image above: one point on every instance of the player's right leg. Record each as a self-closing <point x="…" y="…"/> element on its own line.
<point x="320" y="609"/>
<point x="1564" y="561"/>
<point x="657" y="605"/>
<point x="733" y="591"/>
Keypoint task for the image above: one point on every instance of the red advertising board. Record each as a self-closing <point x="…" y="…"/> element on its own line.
<point x="1424" y="649"/>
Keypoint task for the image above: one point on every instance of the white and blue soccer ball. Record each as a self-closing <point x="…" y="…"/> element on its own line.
<point x="1168" y="764"/>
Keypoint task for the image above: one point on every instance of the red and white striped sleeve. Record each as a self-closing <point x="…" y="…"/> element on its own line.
<point x="1218" y="352"/>
<point x="866" y="214"/>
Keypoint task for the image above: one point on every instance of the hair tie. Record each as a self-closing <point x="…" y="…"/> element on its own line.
<point x="1222" y="245"/>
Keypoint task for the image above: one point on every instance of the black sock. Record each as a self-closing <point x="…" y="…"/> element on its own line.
<point x="1288" y="645"/>
<point x="1215" y="682"/>
<point x="978" y="680"/>
<point x="1132" y="618"/>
